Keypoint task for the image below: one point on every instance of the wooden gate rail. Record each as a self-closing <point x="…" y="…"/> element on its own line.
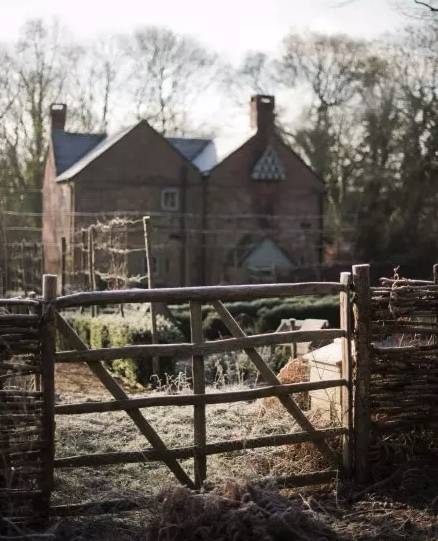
<point x="202" y="294"/>
<point x="204" y="348"/>
<point x="128" y="457"/>
<point x="194" y="399"/>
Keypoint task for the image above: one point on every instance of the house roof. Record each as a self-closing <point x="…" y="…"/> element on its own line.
<point x="74" y="151"/>
<point x="69" y="148"/>
<point x="190" y="148"/>
<point x="94" y="152"/>
<point x="269" y="166"/>
<point x="248" y="245"/>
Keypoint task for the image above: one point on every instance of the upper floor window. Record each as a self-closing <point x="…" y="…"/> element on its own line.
<point x="170" y="199"/>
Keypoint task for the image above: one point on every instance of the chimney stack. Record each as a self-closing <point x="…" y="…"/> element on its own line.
<point x="58" y="115"/>
<point x="263" y="113"/>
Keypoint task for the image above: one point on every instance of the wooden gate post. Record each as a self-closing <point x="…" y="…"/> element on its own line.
<point x="199" y="419"/>
<point x="63" y="265"/>
<point x="346" y="367"/>
<point x="150" y="271"/>
<point x="362" y="333"/>
<point x="92" y="264"/>
<point x="48" y="349"/>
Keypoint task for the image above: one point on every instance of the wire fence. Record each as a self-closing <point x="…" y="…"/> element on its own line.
<point x="107" y="251"/>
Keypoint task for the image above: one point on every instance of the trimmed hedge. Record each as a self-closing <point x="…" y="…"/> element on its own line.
<point x="115" y="330"/>
<point x="261" y="315"/>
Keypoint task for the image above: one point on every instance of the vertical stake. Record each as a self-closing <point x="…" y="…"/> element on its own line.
<point x="63" y="264"/>
<point x="199" y="417"/>
<point x="23" y="268"/>
<point x="48" y="348"/>
<point x="435" y="281"/>
<point x="149" y="271"/>
<point x="91" y="264"/>
<point x="294" y="348"/>
<point x="362" y="417"/>
<point x="346" y="367"/>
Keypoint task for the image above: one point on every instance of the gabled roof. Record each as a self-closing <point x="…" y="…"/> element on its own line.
<point x="68" y="148"/>
<point x="269" y="166"/>
<point x="103" y="145"/>
<point x="83" y="149"/>
<point x="267" y="252"/>
<point x="189" y="148"/>
<point x="248" y="247"/>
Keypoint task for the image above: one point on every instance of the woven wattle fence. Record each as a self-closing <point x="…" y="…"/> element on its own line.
<point x="22" y="448"/>
<point x="404" y="354"/>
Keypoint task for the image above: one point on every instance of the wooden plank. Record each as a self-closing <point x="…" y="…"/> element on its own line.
<point x="269" y="376"/>
<point x="18" y="302"/>
<point x="119" y="394"/>
<point x="48" y="348"/>
<point x="193" y="399"/>
<point x="346" y="374"/>
<point x="19" y="320"/>
<point x="301" y="480"/>
<point x="205" y="348"/>
<point x="362" y="419"/>
<point x="206" y="293"/>
<point x="134" y="504"/>
<point x="182" y="453"/>
<point x="199" y="417"/>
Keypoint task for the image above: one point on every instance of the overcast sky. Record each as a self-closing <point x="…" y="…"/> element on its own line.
<point x="230" y="27"/>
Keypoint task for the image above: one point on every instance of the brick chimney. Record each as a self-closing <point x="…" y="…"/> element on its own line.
<point x="263" y="114"/>
<point x="58" y="115"/>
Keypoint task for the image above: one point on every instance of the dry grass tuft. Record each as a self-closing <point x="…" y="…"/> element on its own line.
<point x="237" y="512"/>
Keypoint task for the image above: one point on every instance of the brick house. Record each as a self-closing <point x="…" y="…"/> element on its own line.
<point x="267" y="203"/>
<point x="254" y="216"/>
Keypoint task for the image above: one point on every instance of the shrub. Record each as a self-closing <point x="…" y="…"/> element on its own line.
<point x="261" y="315"/>
<point x="115" y="330"/>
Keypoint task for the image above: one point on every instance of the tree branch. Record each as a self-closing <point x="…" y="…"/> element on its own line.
<point x="426" y="5"/>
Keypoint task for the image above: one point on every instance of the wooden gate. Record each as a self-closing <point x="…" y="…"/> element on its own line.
<point x="52" y="326"/>
<point x="197" y="349"/>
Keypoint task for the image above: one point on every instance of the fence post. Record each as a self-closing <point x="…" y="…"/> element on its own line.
<point x="48" y="348"/>
<point x="149" y="270"/>
<point x="346" y="367"/>
<point x="199" y="419"/>
<point x="92" y="265"/>
<point x="63" y="264"/>
<point x="362" y="419"/>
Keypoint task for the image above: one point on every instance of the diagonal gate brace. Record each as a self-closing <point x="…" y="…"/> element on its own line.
<point x="270" y="377"/>
<point x="119" y="394"/>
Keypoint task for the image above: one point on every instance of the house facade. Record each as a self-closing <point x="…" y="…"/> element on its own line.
<point x="254" y="216"/>
<point x="267" y="204"/>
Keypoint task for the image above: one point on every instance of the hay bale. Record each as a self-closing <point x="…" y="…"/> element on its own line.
<point x="294" y="371"/>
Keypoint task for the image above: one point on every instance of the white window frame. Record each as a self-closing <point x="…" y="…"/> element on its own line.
<point x="170" y="191"/>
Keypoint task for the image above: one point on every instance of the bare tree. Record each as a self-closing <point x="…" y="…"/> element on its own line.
<point x="328" y="64"/>
<point x="167" y="73"/>
<point x="37" y="72"/>
<point x="93" y="83"/>
<point x="257" y="74"/>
